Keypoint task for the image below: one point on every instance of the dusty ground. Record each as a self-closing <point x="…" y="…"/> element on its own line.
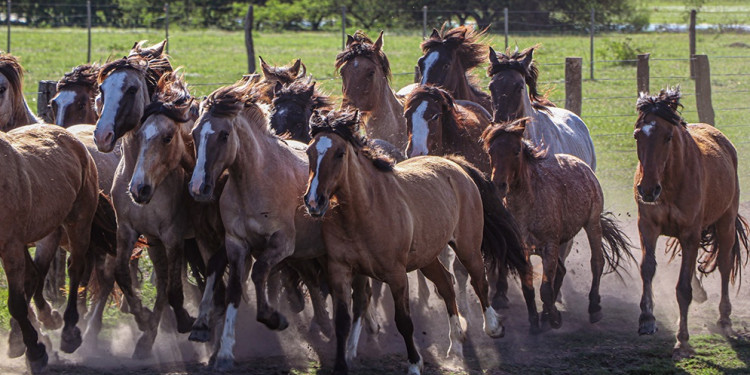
<point x="610" y="346"/>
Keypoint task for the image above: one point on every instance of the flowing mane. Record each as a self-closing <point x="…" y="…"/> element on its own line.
<point x="172" y="98"/>
<point x="360" y="45"/>
<point x="151" y="67"/>
<point x="82" y="75"/>
<point x="228" y="101"/>
<point x="271" y="74"/>
<point x="665" y="105"/>
<point x="516" y="127"/>
<point x="346" y="124"/>
<point x="454" y="128"/>
<point x="297" y="91"/>
<point x="11" y="68"/>
<point x="514" y="61"/>
<point x="467" y="42"/>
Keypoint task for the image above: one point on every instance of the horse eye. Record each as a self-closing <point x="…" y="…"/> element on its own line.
<point x="167" y="139"/>
<point x="2" y="90"/>
<point x="223" y="136"/>
<point x="669" y="137"/>
<point x="371" y="73"/>
<point x="339" y="154"/>
<point x="132" y="90"/>
<point x="518" y="152"/>
<point x="81" y="105"/>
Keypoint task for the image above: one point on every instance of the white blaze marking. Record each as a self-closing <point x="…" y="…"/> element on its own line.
<point x="648" y="128"/>
<point x="199" y="174"/>
<point x="150" y="131"/>
<point x="227" y="337"/>
<point x="420" y="130"/>
<point x="112" y="86"/>
<point x="356" y="63"/>
<point x="429" y="61"/>
<point x="64" y="99"/>
<point x="324" y="143"/>
<point x="351" y="344"/>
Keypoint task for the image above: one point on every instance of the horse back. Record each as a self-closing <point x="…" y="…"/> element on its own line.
<point x="562" y="132"/>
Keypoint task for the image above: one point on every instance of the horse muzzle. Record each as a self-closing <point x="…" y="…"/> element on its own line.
<point x="201" y="192"/>
<point x="141" y="193"/>
<point x="105" y="140"/>
<point x="649" y="195"/>
<point x="316" y="207"/>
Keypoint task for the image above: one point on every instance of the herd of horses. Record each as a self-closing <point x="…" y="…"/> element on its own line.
<point x="270" y="178"/>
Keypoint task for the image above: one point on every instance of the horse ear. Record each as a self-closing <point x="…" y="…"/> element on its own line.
<point x="378" y="43"/>
<point x="154" y="51"/>
<point x="349" y="40"/>
<point x="304" y="70"/>
<point x="435" y="34"/>
<point x="295" y="67"/>
<point x="277" y="88"/>
<point x="493" y="57"/>
<point x="265" y="68"/>
<point x="310" y="90"/>
<point x="529" y="58"/>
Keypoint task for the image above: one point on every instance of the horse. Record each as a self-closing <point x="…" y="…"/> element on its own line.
<point x="292" y="106"/>
<point x="35" y="210"/>
<point x="686" y="186"/>
<point x="14" y="111"/>
<point x="448" y="56"/>
<point x="272" y="75"/>
<point x="368" y="196"/>
<point x="261" y="202"/>
<point x="365" y="72"/>
<point x="74" y="100"/>
<point x="552" y="197"/>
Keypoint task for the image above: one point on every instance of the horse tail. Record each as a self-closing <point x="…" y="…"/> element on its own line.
<point x="740" y="241"/>
<point x="501" y="238"/>
<point x="195" y="262"/>
<point x="616" y="245"/>
<point x="104" y="226"/>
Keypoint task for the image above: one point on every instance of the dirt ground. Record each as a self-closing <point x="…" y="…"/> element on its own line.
<point x="610" y="346"/>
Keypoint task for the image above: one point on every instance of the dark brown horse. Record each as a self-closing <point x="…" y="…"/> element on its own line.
<point x="448" y="58"/>
<point x="552" y="198"/>
<point x="35" y="210"/>
<point x="365" y="74"/>
<point x="292" y="106"/>
<point x="686" y="186"/>
<point x="373" y="197"/>
<point x="277" y="74"/>
<point x="74" y="102"/>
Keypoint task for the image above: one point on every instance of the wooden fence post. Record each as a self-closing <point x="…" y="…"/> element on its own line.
<point x="703" y="89"/>
<point x="88" y="27"/>
<point x="47" y="90"/>
<point x="642" y="72"/>
<point x="691" y="33"/>
<point x="573" y="99"/>
<point x="249" y="40"/>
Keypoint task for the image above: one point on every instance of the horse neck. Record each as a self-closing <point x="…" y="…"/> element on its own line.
<point x="355" y="193"/>
<point x="256" y="144"/>
<point x="680" y="168"/>
<point x="458" y="82"/>
<point x="386" y="121"/>
<point x="521" y="188"/>
<point x="188" y="153"/>
<point x="528" y="107"/>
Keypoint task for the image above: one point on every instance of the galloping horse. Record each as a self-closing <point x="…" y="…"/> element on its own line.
<point x="552" y="197"/>
<point x="448" y="56"/>
<point x="49" y="181"/>
<point x="406" y="214"/>
<point x="515" y="95"/>
<point x="14" y="111"/>
<point x="686" y="186"/>
<point x="365" y="72"/>
<point x="76" y="93"/>
<point x="261" y="203"/>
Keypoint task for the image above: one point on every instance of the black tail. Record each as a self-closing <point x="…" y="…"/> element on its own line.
<point x="501" y="239"/>
<point x="708" y="261"/>
<point x="104" y="226"/>
<point x="616" y="245"/>
<point x="195" y="262"/>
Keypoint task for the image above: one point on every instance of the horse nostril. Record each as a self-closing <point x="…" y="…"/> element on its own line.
<point x="657" y="190"/>
<point x="206" y="189"/>
<point x="640" y="190"/>
<point x="144" y="190"/>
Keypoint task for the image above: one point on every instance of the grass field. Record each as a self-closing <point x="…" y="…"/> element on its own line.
<point x="212" y="58"/>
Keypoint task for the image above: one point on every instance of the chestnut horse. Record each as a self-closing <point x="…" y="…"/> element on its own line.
<point x="34" y="211"/>
<point x="552" y="197"/>
<point x="423" y="204"/>
<point x="366" y="72"/>
<point x="261" y="203"/>
<point x="74" y="102"/>
<point x="14" y="111"/>
<point x="686" y="186"/>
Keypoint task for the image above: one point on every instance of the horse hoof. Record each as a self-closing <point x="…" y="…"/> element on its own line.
<point x="53" y="321"/>
<point x="223" y="364"/>
<point x="70" y="340"/>
<point x="647" y="326"/>
<point x="276" y="322"/>
<point x="416" y="368"/>
<point x="595" y="317"/>
<point x="682" y="351"/>
<point x="726" y="328"/>
<point x="185" y="323"/>
<point x="16" y="347"/>
<point x="553" y="318"/>
<point x="143" y="347"/>
<point x="36" y="366"/>
<point x="500" y="302"/>
<point x="202" y="334"/>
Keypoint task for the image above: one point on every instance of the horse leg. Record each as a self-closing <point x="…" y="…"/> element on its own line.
<point x="361" y="295"/>
<point x="14" y="264"/>
<point x="158" y="255"/>
<point x="399" y="284"/>
<point x="527" y="287"/>
<point x="79" y="236"/>
<point x="106" y="282"/>
<point x="727" y="240"/>
<point x="340" y="280"/>
<point x="46" y="250"/>
<point x="550" y="315"/>
<point x="594" y="234"/>
<point x="649" y="235"/>
<point x="309" y="272"/>
<point x="126" y="238"/>
<point x="236" y="257"/>
<point x="471" y="258"/>
<point x="565" y="252"/>
<point x="176" y="265"/>
<point x="280" y="246"/>
<point x="439" y="275"/>
<point x="200" y="331"/>
<point x="689" y="244"/>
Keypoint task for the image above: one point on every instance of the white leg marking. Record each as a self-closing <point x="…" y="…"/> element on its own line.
<point x="207" y="301"/>
<point x="63" y="99"/>
<point x="199" y="173"/>
<point x="416" y="368"/>
<point x="324" y="143"/>
<point x="457" y="335"/>
<point x="227" y="338"/>
<point x="429" y="61"/>
<point x="493" y="326"/>
<point x="420" y="130"/>
<point x="353" y="341"/>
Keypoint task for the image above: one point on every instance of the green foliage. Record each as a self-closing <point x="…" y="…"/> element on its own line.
<point x="624" y="51"/>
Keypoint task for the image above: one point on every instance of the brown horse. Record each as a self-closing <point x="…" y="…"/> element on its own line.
<point x="448" y="58"/>
<point x="34" y="156"/>
<point x="74" y="102"/>
<point x="14" y="111"/>
<point x="366" y="73"/>
<point x="292" y="106"/>
<point x="261" y="202"/>
<point x="277" y="74"/>
<point x="552" y="198"/>
<point x="374" y="197"/>
<point x="686" y="186"/>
